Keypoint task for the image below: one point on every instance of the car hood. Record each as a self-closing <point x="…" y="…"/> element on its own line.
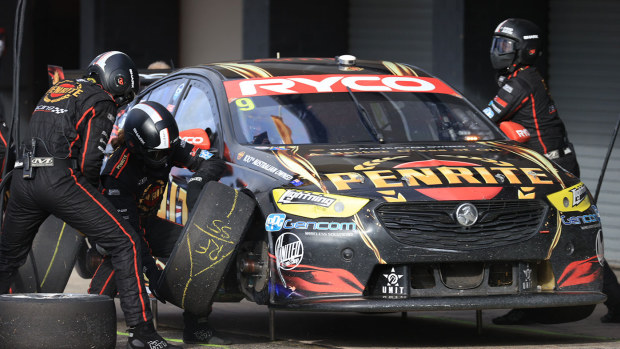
<point x="405" y="172"/>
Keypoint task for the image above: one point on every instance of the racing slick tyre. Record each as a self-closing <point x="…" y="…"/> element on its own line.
<point x="56" y="320"/>
<point x="561" y="315"/>
<point x="206" y="248"/>
<point x="51" y="260"/>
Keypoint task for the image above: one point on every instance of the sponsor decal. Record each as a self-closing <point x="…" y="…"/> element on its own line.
<point x="296" y="182"/>
<point x="579" y="194"/>
<point x="289" y="251"/>
<point x="122" y="162"/>
<point x="571" y="199"/>
<point x="507" y="30"/>
<point x="177" y="92"/>
<point x="530" y="37"/>
<point x="407" y="175"/>
<point x="303" y="197"/>
<point x="392" y="284"/>
<point x="268" y="167"/>
<point x="120" y="80"/>
<point x="240" y="155"/>
<point x="275" y="221"/>
<point x="507" y="88"/>
<point x="316" y="205"/>
<point x="62" y="90"/>
<point x="333" y="83"/>
<point x="527" y="278"/>
<point x="133" y="82"/>
<point x="577" y="220"/>
<point x="205" y="154"/>
<point x="488" y="112"/>
<point x="500" y="101"/>
<point x="135" y="131"/>
<point x="50" y="109"/>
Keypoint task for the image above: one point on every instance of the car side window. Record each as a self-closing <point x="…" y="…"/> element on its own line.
<point x="168" y="94"/>
<point x="198" y="109"/>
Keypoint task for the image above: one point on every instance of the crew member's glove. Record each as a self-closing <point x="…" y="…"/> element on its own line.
<point x="153" y="273"/>
<point x="194" y="187"/>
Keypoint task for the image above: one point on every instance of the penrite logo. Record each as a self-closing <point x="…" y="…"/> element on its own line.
<point x="62" y="90"/>
<point x="300" y="197"/>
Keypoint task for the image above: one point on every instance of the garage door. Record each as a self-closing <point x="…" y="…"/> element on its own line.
<point x="397" y="30"/>
<point x="584" y="77"/>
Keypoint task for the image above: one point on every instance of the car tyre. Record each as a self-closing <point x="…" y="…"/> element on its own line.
<point x="51" y="260"/>
<point x="206" y="248"/>
<point x="57" y="320"/>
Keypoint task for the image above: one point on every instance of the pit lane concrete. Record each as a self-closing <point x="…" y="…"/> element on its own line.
<point x="247" y="325"/>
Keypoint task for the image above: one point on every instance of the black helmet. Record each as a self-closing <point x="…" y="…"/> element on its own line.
<point x="151" y="133"/>
<point x="516" y="42"/>
<point x="117" y="74"/>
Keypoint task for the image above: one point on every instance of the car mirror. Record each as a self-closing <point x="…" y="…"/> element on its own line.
<point x="197" y="137"/>
<point x="515" y="131"/>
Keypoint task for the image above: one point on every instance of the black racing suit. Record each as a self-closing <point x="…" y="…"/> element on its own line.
<point x="137" y="191"/>
<point x="72" y="123"/>
<point x="523" y="98"/>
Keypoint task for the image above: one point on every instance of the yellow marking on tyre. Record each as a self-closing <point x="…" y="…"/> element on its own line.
<point x="233" y="205"/>
<point x="49" y="267"/>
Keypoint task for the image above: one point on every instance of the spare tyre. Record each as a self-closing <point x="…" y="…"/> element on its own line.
<point x="57" y="320"/>
<point x="206" y="247"/>
<point x="51" y="259"/>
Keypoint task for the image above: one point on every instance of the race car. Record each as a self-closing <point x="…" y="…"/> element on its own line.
<point x="375" y="187"/>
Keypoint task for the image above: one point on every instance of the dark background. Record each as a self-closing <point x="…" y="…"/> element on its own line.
<point x="70" y="33"/>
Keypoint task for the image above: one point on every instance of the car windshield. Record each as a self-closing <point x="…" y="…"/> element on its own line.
<point x="358" y="117"/>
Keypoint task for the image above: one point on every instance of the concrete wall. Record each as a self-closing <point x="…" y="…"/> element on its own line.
<point x="210" y="31"/>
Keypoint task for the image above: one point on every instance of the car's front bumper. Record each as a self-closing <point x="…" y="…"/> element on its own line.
<point x="377" y="304"/>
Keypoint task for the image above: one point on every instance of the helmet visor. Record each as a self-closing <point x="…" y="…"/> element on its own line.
<point x="158" y="155"/>
<point x="502" y="45"/>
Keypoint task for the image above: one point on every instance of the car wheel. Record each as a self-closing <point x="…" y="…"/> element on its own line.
<point x="57" y="320"/>
<point x="563" y="314"/>
<point x="206" y="247"/>
<point x="51" y="260"/>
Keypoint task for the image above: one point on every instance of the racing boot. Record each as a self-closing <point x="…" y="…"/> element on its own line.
<point x="144" y="336"/>
<point x="515" y="317"/>
<point x="197" y="331"/>
<point x="612" y="316"/>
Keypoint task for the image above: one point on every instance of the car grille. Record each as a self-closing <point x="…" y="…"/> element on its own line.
<point x="432" y="224"/>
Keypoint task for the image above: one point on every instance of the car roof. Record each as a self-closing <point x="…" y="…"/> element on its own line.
<point x="270" y="67"/>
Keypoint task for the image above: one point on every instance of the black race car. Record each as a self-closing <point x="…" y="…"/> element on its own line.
<point x="377" y="188"/>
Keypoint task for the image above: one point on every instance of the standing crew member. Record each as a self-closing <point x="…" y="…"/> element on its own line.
<point x="70" y="127"/>
<point x="523" y="96"/>
<point x="134" y="180"/>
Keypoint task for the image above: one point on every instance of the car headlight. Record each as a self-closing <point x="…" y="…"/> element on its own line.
<point x="315" y="205"/>
<point x="571" y="199"/>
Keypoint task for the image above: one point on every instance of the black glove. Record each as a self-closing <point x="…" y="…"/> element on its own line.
<point x="194" y="187"/>
<point x="154" y="275"/>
